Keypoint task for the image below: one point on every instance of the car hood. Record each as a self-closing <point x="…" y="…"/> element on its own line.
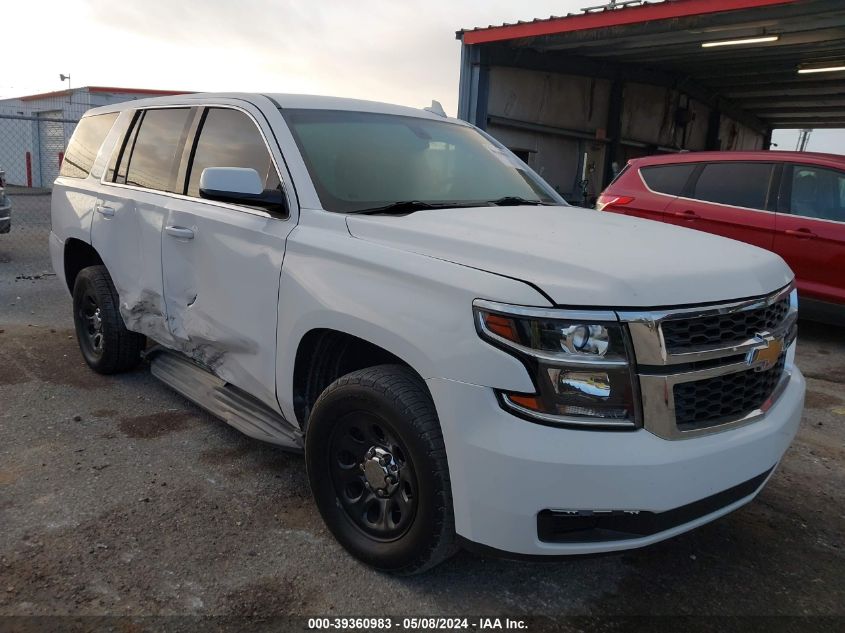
<point x="582" y="257"/>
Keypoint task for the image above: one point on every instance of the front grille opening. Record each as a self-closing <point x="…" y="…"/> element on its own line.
<point x="722" y="330"/>
<point x="709" y="402"/>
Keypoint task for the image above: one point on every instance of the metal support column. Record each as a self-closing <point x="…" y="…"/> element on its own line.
<point x="614" y="129"/>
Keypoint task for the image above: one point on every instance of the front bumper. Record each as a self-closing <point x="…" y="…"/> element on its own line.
<point x="506" y="471"/>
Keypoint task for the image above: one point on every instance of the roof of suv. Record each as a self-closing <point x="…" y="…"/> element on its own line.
<point x="293" y="101"/>
<point x="762" y="155"/>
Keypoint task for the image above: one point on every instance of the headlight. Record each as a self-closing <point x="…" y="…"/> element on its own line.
<point x="581" y="364"/>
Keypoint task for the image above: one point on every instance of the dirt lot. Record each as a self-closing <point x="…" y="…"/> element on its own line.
<point x="118" y="497"/>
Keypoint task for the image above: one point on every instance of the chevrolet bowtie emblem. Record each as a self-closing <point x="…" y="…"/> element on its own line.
<point x="766" y="355"/>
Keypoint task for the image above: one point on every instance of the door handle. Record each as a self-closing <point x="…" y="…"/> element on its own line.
<point x="105" y="211"/>
<point x="686" y="214"/>
<point x="801" y="234"/>
<point x="179" y="232"/>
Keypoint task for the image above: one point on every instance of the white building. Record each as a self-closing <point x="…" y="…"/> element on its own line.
<point x="35" y="129"/>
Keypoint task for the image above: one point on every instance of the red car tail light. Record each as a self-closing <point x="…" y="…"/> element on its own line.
<point x="605" y="200"/>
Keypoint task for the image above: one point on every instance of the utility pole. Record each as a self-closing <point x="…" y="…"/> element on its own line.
<point x="803" y="139"/>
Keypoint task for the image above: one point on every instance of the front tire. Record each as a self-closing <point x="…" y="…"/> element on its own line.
<point x="377" y="466"/>
<point x="107" y="346"/>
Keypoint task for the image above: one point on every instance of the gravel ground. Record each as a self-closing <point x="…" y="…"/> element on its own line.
<point x="119" y="497"/>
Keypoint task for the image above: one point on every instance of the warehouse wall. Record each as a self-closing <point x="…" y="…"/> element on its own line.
<point x="567" y="103"/>
<point x="649" y="116"/>
<point x="562" y="121"/>
<point x="735" y="136"/>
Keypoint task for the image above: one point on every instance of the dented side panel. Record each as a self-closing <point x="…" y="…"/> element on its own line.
<point x="129" y="242"/>
<point x="221" y="291"/>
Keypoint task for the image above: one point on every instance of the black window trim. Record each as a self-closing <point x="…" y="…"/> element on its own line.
<point x="289" y="191"/>
<point x="773" y="195"/>
<point x="119" y="146"/>
<point x="191" y="148"/>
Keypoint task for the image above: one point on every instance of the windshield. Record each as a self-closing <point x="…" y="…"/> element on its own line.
<point x="362" y="161"/>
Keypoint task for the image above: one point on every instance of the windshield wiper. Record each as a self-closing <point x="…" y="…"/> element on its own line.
<point x="512" y="201"/>
<point x="408" y="206"/>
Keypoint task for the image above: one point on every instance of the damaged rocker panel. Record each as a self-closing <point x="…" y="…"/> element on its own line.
<point x="234" y="406"/>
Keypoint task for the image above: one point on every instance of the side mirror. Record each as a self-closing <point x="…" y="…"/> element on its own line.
<point x="240" y="185"/>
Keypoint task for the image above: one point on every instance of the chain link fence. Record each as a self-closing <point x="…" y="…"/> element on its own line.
<point x="32" y="147"/>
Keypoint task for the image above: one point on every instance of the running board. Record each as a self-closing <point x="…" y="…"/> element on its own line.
<point x="234" y="406"/>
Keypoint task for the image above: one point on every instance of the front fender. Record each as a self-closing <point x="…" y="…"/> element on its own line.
<point x="416" y="307"/>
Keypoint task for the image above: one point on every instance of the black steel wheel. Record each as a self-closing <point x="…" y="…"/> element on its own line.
<point x="373" y="476"/>
<point x="107" y="346"/>
<point x="377" y="467"/>
<point x="90" y="317"/>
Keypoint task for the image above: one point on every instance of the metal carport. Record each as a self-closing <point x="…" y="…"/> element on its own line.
<point x="578" y="95"/>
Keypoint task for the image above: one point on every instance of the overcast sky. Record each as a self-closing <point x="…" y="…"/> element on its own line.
<point x="399" y="51"/>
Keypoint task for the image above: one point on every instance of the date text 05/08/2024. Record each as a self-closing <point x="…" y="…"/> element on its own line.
<point x="418" y="623"/>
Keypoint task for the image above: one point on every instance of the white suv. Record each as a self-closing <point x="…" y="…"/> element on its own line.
<point x="463" y="357"/>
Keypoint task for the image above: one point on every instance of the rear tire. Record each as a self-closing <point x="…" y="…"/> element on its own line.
<point x="107" y="346"/>
<point x="377" y="466"/>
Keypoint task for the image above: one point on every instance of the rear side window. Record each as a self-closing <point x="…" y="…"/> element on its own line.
<point x="668" y="179"/>
<point x="735" y="184"/>
<point x="229" y="138"/>
<point x="153" y="159"/>
<point x="85" y="143"/>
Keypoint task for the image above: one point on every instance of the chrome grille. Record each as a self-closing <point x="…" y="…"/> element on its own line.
<point x="722" y="330"/>
<point x="703" y="370"/>
<point x="705" y="403"/>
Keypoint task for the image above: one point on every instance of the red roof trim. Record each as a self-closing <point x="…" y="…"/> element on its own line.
<point x="44" y="95"/>
<point x="100" y="89"/>
<point x="615" y="17"/>
<point x="138" y="91"/>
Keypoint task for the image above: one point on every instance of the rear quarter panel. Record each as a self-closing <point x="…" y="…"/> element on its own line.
<point x="646" y="203"/>
<point x="71" y="211"/>
<point x="72" y="203"/>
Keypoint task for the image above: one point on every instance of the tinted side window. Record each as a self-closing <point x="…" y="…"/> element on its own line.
<point x="128" y="147"/>
<point x="818" y="193"/>
<point x="668" y="179"/>
<point x="229" y="138"/>
<point x="126" y="125"/>
<point x="85" y="143"/>
<point x="154" y="157"/>
<point x="736" y="184"/>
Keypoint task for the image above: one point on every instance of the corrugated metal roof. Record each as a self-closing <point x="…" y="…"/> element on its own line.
<point x="620" y="13"/>
<point x="664" y="42"/>
<point x="612" y="6"/>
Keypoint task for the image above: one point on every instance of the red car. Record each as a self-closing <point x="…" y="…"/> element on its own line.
<point x="792" y="203"/>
